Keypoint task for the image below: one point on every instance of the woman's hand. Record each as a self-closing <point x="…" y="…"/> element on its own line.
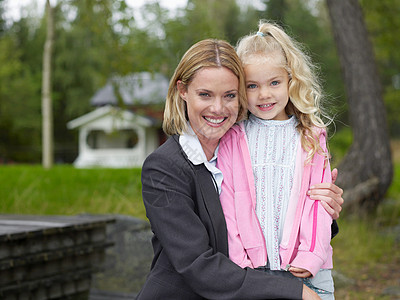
<point x="329" y="194"/>
<point x="309" y="294"/>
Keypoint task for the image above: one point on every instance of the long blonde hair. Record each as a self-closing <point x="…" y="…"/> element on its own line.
<point x="305" y="92"/>
<point x="206" y="53"/>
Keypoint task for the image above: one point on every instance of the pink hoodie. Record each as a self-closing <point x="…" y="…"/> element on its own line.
<point x="307" y="230"/>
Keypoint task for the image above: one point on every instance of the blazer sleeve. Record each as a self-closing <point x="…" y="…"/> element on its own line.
<point x="334" y="229"/>
<point x="169" y="195"/>
<point x="315" y="226"/>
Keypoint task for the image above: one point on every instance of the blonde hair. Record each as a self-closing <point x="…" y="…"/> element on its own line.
<point x="206" y="53"/>
<point x="305" y="92"/>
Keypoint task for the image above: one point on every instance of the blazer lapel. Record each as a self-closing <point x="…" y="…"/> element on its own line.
<point x="213" y="206"/>
<point x="211" y="202"/>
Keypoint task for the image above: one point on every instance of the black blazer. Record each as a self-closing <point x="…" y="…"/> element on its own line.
<point x="190" y="239"/>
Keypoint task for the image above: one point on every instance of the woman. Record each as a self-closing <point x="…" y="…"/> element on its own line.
<point x="181" y="186"/>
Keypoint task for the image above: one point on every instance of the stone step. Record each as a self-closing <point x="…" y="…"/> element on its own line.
<point x="63" y="286"/>
<point x="20" y="237"/>
<point x="50" y="257"/>
<point x="109" y="295"/>
<point x="44" y="264"/>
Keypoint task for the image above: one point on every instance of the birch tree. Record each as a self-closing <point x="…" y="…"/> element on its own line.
<point x="47" y="107"/>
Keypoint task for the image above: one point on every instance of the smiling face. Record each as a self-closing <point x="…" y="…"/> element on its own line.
<point x="212" y="103"/>
<point x="267" y="85"/>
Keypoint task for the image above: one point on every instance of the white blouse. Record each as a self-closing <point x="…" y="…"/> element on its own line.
<point x="191" y="146"/>
<point x="273" y="146"/>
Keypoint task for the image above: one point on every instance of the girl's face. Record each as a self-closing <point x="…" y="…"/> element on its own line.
<point x="212" y="102"/>
<point x="267" y="86"/>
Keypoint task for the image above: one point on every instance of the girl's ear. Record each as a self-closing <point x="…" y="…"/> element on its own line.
<point x="181" y="89"/>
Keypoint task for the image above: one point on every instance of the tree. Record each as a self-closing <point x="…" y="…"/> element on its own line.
<point x="93" y="43"/>
<point x="47" y="107"/>
<point x="275" y="11"/>
<point x="19" y="93"/>
<point x="2" y="21"/>
<point x="366" y="171"/>
<point x="383" y="23"/>
<point x="222" y="19"/>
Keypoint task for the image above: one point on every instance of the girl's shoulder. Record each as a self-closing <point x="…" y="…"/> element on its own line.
<point x="318" y="131"/>
<point x="235" y="131"/>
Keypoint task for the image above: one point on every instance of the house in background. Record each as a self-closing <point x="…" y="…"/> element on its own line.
<point x="116" y="137"/>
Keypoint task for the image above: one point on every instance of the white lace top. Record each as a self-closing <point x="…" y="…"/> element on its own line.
<point x="273" y="147"/>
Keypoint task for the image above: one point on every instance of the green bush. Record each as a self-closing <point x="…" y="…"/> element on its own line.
<point x="339" y="143"/>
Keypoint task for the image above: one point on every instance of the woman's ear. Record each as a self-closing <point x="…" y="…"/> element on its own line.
<point x="181" y="89"/>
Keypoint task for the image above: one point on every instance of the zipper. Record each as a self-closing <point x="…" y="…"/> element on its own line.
<point x="315" y="219"/>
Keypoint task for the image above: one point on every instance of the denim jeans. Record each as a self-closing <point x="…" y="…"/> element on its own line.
<point x="322" y="284"/>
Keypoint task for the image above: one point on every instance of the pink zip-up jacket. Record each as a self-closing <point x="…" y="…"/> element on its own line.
<point x="307" y="229"/>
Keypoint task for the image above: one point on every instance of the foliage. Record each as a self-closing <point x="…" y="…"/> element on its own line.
<point x="81" y="54"/>
<point x="96" y="39"/>
<point x="92" y="43"/>
<point x="2" y="21"/>
<point x="222" y="19"/>
<point x="383" y="24"/>
<point x="19" y="115"/>
<point x="339" y="143"/>
<point x="394" y="190"/>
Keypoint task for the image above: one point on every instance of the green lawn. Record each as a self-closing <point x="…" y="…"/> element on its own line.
<point x="66" y="190"/>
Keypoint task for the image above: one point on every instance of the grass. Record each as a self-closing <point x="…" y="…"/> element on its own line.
<point x="367" y="250"/>
<point x="69" y="191"/>
<point x="367" y="258"/>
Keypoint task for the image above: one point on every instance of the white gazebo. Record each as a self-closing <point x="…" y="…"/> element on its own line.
<point x="114" y="137"/>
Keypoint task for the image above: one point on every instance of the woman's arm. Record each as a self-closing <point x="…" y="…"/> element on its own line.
<point x="309" y="294"/>
<point x="329" y="194"/>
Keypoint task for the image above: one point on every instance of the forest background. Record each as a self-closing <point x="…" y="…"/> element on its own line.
<point x="96" y="39"/>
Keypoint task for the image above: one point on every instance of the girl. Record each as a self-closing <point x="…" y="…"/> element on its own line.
<point x="270" y="160"/>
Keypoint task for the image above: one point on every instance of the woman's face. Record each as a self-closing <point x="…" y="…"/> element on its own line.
<point x="212" y="101"/>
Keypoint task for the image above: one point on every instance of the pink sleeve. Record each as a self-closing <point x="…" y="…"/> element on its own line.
<point x="315" y="226"/>
<point x="237" y="252"/>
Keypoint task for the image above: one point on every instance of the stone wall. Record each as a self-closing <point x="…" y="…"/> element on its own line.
<point x="127" y="263"/>
<point x="50" y="257"/>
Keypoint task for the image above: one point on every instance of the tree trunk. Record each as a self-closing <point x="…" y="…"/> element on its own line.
<point x="47" y="108"/>
<point x="366" y="172"/>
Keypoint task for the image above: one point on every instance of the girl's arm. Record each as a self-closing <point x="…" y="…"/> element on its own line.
<point x="315" y="226"/>
<point x="237" y="252"/>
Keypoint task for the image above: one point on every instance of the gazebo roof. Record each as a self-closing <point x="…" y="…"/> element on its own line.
<point x="139" y="88"/>
<point x="110" y="110"/>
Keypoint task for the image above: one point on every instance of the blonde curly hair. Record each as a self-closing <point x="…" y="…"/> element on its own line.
<point x="305" y="92"/>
